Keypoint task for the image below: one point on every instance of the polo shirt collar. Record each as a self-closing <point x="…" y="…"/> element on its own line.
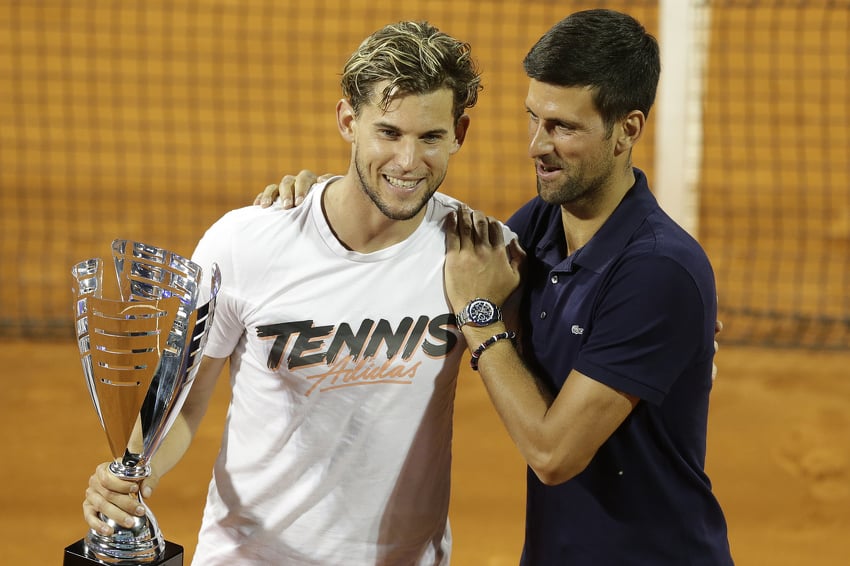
<point x="614" y="234"/>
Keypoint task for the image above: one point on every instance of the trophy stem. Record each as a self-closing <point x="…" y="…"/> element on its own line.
<point x="142" y="543"/>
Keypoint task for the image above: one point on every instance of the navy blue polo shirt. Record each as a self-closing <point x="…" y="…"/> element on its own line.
<point x="634" y="309"/>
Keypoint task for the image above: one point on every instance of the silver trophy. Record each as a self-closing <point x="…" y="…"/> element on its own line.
<point x="140" y="355"/>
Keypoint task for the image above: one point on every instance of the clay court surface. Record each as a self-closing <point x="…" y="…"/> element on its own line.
<point x="778" y="456"/>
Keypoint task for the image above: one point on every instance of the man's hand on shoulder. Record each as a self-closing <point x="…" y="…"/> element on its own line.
<point x="292" y="189"/>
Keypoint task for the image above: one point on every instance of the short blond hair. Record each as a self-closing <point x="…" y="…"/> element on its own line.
<point x="416" y="58"/>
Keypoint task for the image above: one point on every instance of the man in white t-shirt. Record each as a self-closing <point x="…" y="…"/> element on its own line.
<point x="343" y="347"/>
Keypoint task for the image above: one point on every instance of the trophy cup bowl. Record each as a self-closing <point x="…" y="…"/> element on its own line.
<point x="140" y="354"/>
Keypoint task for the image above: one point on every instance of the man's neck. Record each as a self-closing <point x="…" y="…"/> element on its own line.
<point x="584" y="218"/>
<point x="357" y="223"/>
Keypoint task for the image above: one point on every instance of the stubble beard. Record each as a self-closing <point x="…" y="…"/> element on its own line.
<point x="578" y="187"/>
<point x="393" y="214"/>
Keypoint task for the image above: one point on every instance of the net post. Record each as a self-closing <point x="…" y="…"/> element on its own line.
<point x="683" y="41"/>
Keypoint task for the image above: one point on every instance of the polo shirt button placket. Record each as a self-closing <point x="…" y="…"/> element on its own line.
<point x="554" y="280"/>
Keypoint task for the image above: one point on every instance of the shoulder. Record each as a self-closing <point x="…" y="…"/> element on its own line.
<point x="247" y="228"/>
<point x="255" y="219"/>
<point x="534" y="220"/>
<point x="657" y="233"/>
<point x="248" y="215"/>
<point x="670" y="243"/>
<point x="443" y="204"/>
<point x="666" y="270"/>
<point x="231" y="221"/>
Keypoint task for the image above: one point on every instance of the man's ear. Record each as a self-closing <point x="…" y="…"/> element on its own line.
<point x="630" y="131"/>
<point x="345" y="119"/>
<point x="460" y="132"/>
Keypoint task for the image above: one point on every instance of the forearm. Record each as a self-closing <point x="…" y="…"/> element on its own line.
<point x="519" y="398"/>
<point x="173" y="447"/>
<point x="557" y="435"/>
<point x="179" y="437"/>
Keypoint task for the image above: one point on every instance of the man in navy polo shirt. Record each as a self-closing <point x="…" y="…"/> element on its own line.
<point x="609" y="401"/>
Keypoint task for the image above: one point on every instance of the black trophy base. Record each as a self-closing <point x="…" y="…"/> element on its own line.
<point x="75" y="555"/>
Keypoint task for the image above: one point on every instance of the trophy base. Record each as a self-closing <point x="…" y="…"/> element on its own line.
<point x="76" y="555"/>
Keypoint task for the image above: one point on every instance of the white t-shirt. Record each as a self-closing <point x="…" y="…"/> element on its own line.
<point x="337" y="446"/>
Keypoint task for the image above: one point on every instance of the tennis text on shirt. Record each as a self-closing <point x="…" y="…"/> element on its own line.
<point x="311" y="345"/>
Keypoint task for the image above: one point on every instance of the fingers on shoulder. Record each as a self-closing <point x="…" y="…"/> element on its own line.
<point x="267" y="196"/>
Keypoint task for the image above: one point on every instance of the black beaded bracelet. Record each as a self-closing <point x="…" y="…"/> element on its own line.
<point x="507" y="335"/>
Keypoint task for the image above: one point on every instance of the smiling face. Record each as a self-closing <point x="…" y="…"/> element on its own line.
<point x="574" y="152"/>
<point x="400" y="156"/>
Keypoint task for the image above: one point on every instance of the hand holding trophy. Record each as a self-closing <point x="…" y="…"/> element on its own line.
<point x="139" y="355"/>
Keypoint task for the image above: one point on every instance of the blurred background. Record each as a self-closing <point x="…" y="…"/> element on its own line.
<point x="149" y="120"/>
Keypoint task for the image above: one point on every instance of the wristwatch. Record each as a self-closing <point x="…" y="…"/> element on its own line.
<point x="478" y="312"/>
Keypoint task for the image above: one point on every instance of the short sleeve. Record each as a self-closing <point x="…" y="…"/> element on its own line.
<point x="215" y="248"/>
<point x="649" y="326"/>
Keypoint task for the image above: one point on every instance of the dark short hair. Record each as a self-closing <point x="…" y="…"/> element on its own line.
<point x="608" y="51"/>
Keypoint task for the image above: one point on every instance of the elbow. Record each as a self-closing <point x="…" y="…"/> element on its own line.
<point x="553" y="476"/>
<point x="552" y="469"/>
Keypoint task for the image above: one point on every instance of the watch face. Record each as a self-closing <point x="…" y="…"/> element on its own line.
<point x="482" y="312"/>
